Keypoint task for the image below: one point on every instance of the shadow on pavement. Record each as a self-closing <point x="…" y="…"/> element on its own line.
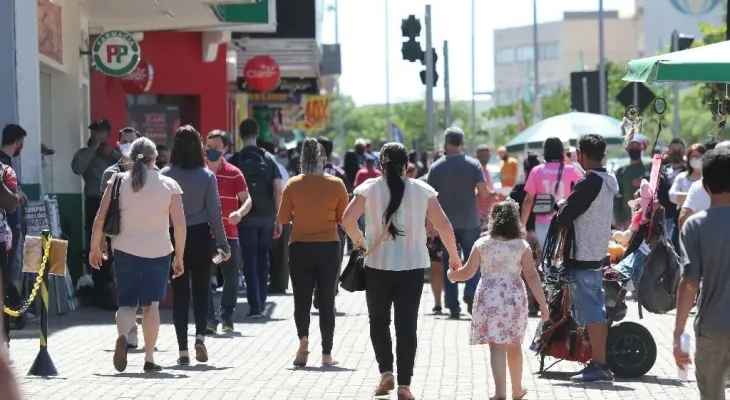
<point x="331" y="368"/>
<point x="605" y="386"/>
<point x="197" y="367"/>
<point x="143" y="375"/>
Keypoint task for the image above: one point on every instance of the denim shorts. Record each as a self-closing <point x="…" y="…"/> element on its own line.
<point x="140" y="281"/>
<point x="587" y="299"/>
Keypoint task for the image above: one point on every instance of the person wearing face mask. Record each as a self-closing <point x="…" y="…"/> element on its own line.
<point x="103" y="277"/>
<point x="674" y="166"/>
<point x="507" y="168"/>
<point x="232" y="190"/>
<point x="629" y="179"/>
<point x="683" y="180"/>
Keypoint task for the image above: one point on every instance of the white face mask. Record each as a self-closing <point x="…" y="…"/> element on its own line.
<point x="695" y="163"/>
<point x="125" y="148"/>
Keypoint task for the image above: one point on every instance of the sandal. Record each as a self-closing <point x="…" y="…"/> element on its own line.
<point x="300" y="360"/>
<point x="404" y="393"/>
<point x="387" y="383"/>
<point x="522" y="395"/>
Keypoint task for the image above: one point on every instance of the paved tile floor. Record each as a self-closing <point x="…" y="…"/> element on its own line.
<point x="255" y="363"/>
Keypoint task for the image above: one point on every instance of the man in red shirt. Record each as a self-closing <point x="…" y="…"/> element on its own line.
<point x="368" y="171"/>
<point x="233" y="192"/>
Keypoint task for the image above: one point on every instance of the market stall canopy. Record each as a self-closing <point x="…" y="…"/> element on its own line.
<point x="569" y="128"/>
<point x="710" y="63"/>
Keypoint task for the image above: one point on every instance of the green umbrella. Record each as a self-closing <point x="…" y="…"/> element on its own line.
<point x="569" y="128"/>
<point x="710" y="63"/>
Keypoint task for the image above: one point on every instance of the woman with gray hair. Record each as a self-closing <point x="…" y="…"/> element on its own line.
<point x="142" y="249"/>
<point x="315" y="202"/>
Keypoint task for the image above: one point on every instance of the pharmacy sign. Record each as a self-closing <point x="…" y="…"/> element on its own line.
<point x="116" y="53"/>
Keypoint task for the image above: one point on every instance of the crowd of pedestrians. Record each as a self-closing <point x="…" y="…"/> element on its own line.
<point x="197" y="204"/>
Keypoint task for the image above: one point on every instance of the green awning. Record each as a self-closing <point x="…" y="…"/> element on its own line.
<point x="709" y="63"/>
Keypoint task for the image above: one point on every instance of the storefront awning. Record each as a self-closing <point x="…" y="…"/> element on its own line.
<point x="157" y="15"/>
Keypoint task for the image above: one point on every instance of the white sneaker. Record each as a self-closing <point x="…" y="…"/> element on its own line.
<point x="132" y="340"/>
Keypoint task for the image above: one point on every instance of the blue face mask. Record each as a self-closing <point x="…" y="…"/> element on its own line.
<point x="213" y="155"/>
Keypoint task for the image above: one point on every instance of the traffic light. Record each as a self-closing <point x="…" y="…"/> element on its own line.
<point x="411" y="49"/>
<point x="435" y="58"/>
<point x="680" y="41"/>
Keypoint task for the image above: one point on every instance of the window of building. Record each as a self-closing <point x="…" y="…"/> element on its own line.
<point x="525" y="53"/>
<point x="549" y="51"/>
<point x="505" y="56"/>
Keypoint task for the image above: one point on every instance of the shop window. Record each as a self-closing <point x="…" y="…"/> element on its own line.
<point x="158" y="116"/>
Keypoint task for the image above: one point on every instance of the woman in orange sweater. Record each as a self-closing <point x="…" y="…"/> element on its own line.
<point x="314" y="202"/>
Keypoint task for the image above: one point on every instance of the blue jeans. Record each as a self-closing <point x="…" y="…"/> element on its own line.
<point x="587" y="298"/>
<point x="466" y="238"/>
<point x="255" y="234"/>
<point x="229" y="297"/>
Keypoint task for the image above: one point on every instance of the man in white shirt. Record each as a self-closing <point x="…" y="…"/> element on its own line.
<point x="697" y="197"/>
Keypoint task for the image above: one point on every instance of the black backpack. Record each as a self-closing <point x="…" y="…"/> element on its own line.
<point x="258" y="174"/>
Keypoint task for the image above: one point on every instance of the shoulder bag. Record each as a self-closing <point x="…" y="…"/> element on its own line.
<point x="113" y="219"/>
<point x="354" y="276"/>
<point x="544" y="203"/>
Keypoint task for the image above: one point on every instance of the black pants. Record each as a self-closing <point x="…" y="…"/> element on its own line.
<point x="343" y="235"/>
<point x="102" y="277"/>
<point x="198" y="256"/>
<point x="309" y="263"/>
<point x="402" y="291"/>
<point x="12" y="297"/>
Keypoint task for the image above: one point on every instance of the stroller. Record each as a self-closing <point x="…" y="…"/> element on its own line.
<point x="631" y="350"/>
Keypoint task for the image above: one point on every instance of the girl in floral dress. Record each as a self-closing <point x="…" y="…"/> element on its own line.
<point x="500" y="311"/>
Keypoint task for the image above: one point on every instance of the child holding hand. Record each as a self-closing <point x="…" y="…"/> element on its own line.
<point x="500" y="313"/>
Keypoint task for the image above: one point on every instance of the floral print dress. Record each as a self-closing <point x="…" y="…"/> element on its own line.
<point x="500" y="303"/>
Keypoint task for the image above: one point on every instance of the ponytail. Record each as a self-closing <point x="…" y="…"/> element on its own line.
<point x="394" y="157"/>
<point x="143" y="152"/>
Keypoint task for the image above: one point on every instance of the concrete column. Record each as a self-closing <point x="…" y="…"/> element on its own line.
<point x="27" y="91"/>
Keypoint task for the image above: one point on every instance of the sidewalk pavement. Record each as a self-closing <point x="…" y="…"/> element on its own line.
<point x="256" y="362"/>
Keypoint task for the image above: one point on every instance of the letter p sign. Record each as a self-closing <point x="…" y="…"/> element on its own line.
<point x="116" y="50"/>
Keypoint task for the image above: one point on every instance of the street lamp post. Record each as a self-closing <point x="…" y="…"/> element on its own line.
<point x="388" y="130"/>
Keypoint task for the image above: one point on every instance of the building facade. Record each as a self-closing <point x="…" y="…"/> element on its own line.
<point x="563" y="47"/>
<point x="52" y="89"/>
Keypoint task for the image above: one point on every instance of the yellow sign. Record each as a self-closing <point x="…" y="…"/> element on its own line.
<point x="316" y="114"/>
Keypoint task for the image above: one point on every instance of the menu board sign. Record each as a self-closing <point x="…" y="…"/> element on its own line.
<point x="158" y="122"/>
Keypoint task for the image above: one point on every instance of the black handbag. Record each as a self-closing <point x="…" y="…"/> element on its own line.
<point x="354" y="277"/>
<point x="113" y="219"/>
<point x="544" y="203"/>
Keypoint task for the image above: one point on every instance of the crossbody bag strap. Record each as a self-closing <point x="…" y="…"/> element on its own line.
<point x="380" y="238"/>
<point x="560" y="177"/>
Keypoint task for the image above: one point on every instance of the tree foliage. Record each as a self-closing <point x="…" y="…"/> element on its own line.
<point x="369" y="122"/>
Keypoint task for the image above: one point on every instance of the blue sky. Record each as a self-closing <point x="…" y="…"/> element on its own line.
<point x="363" y="32"/>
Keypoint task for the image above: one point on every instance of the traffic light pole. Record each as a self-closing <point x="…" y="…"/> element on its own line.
<point x="447" y="94"/>
<point x="388" y="130"/>
<point x="675" y="88"/>
<point x="430" y="114"/>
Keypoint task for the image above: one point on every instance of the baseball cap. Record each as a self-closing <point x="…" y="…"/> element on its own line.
<point x="101" y="125"/>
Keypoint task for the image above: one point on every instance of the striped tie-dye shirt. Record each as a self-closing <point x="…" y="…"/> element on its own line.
<point x="405" y="252"/>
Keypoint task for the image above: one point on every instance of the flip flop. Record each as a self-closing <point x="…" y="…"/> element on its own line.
<point x="522" y="395"/>
<point x="300" y="360"/>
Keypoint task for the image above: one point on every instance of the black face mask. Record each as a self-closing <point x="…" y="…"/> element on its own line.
<point x="359" y="150"/>
<point x="634" y="154"/>
<point x="505" y="157"/>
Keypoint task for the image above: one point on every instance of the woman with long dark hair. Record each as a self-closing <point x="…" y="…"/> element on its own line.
<point x="314" y="202"/>
<point x="396" y="239"/>
<point x="202" y="216"/>
<point x="351" y="164"/>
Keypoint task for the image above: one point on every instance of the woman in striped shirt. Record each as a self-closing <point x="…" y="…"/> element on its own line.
<point x="398" y="258"/>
